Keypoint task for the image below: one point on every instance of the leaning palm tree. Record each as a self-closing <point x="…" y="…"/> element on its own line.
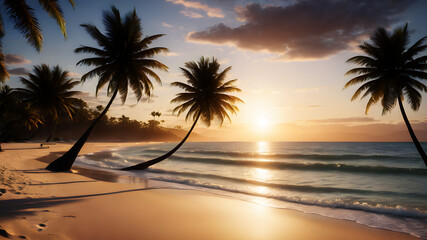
<point x="22" y="15"/>
<point x="205" y="98"/>
<point x="48" y="91"/>
<point x="390" y="72"/>
<point x="123" y="61"/>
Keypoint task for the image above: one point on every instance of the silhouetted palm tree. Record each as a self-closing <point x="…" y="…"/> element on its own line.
<point x="22" y="15"/>
<point x="8" y="102"/>
<point x="123" y="61"/>
<point x="15" y="115"/>
<point x="391" y="71"/>
<point x="26" y="117"/>
<point x="205" y="98"/>
<point x="48" y="91"/>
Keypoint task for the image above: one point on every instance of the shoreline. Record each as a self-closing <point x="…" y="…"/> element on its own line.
<point x="39" y="205"/>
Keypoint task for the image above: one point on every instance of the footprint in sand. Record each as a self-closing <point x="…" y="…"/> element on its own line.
<point x="2" y="191"/>
<point x="41" y="226"/>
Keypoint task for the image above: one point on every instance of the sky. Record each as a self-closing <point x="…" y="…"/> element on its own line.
<point x="289" y="57"/>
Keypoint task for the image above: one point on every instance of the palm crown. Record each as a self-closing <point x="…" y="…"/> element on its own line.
<point x="124" y="57"/>
<point x="390" y="70"/>
<point x="25" y="21"/>
<point x="206" y="92"/>
<point x="49" y="91"/>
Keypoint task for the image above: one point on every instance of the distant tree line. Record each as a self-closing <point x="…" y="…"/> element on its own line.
<point x="25" y="118"/>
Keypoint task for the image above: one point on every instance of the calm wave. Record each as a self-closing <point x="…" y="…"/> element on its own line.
<point x="381" y="184"/>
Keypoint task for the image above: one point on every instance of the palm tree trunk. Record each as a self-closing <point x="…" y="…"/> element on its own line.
<point x="411" y="132"/>
<point x="64" y="163"/>
<point x="147" y="164"/>
<point x="52" y="132"/>
<point x="1" y="149"/>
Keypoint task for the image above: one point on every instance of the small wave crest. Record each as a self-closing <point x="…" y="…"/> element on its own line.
<point x="367" y="207"/>
<point x="291" y="187"/>
<point x="306" y="166"/>
<point x="320" y="157"/>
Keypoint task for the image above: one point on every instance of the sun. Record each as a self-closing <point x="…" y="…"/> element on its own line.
<point x="262" y="123"/>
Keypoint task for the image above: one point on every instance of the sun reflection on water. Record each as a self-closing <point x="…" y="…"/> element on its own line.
<point x="263" y="147"/>
<point x="260" y="174"/>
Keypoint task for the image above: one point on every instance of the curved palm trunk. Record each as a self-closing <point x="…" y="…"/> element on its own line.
<point x="411" y="132"/>
<point x="147" y="164"/>
<point x="64" y="163"/>
<point x="52" y="132"/>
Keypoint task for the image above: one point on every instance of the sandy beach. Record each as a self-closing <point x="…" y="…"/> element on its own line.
<point x="37" y="204"/>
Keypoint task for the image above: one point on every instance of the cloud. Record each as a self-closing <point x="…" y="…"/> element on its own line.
<point x="305" y="30"/>
<point x="265" y="91"/>
<point x="74" y="75"/>
<point x="306" y="106"/>
<point x="211" y="12"/>
<point x="166" y="25"/>
<point x="170" y="54"/>
<point x="344" y="120"/>
<point x="224" y="61"/>
<point x="191" y="14"/>
<point x="305" y="90"/>
<point x="14" y="59"/>
<point x="20" y="71"/>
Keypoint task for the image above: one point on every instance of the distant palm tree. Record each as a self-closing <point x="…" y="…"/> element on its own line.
<point x="22" y="15"/>
<point x="205" y="98"/>
<point x="48" y="91"/>
<point x="391" y="71"/>
<point x="123" y="61"/>
<point x="26" y="117"/>
<point x="15" y="115"/>
<point x="155" y="114"/>
<point x="8" y="101"/>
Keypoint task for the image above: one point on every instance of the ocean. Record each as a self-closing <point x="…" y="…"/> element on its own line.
<point x="382" y="185"/>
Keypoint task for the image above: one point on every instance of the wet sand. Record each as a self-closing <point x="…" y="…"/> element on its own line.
<point x="88" y="204"/>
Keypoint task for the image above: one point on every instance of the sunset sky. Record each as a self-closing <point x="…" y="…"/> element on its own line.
<point x="288" y="56"/>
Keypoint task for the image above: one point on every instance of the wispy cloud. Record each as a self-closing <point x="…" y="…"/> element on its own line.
<point x="191" y="14"/>
<point x="170" y="54"/>
<point x="14" y="59"/>
<point x="265" y="91"/>
<point x="306" y="106"/>
<point x="211" y="12"/>
<point x="20" y="71"/>
<point x="305" y="90"/>
<point x="74" y="75"/>
<point x="224" y="61"/>
<point x="347" y="120"/>
<point x="166" y="25"/>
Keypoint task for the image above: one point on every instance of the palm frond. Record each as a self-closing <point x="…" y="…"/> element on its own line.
<point x="25" y="21"/>
<point x="54" y="10"/>
<point x="414" y="97"/>
<point x="92" y="50"/>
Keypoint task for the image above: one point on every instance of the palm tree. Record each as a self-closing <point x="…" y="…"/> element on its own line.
<point x="390" y="71"/>
<point x="26" y="118"/>
<point x="123" y="61"/>
<point x="22" y="15"/>
<point x="205" y="98"/>
<point x="49" y="92"/>
<point x="15" y="115"/>
<point x="8" y="102"/>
